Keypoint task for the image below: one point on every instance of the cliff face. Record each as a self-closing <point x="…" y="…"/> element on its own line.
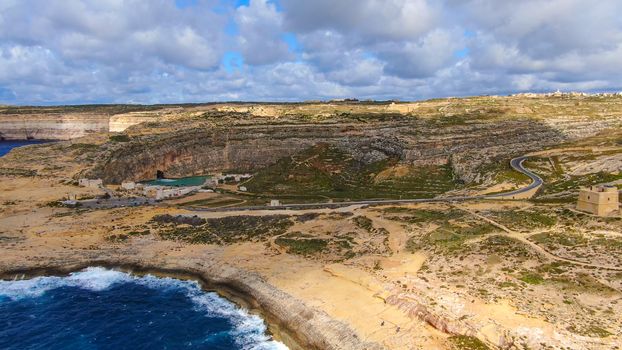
<point x="50" y="126"/>
<point x="202" y="147"/>
<point x="195" y="139"/>
<point x="70" y="122"/>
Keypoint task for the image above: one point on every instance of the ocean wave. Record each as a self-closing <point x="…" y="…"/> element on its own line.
<point x="249" y="330"/>
<point x="92" y="278"/>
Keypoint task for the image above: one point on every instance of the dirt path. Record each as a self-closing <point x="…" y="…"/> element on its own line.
<point x="522" y="237"/>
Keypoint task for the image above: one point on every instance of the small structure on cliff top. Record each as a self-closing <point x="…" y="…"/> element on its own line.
<point x="599" y="200"/>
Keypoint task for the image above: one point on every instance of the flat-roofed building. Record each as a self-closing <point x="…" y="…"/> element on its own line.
<point x="93" y="183"/>
<point x="599" y="200"/>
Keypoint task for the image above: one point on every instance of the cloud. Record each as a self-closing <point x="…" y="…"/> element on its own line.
<point x="370" y="20"/>
<point x="83" y="51"/>
<point x="260" y="33"/>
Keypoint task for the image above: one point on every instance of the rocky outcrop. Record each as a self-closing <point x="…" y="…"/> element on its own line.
<point x="119" y="123"/>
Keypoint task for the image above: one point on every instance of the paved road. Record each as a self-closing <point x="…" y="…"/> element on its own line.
<point x="516" y="164"/>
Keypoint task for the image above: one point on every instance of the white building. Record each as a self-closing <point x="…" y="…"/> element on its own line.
<point x="93" y="183"/>
<point x="130" y="185"/>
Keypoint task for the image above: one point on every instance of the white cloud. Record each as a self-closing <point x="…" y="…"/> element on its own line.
<point x="260" y="27"/>
<point x="55" y="51"/>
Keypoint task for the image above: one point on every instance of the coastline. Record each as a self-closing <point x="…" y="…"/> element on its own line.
<point x="287" y="319"/>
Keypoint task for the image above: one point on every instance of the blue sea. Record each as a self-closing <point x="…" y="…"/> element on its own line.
<point x="6" y="146"/>
<point x="99" y="308"/>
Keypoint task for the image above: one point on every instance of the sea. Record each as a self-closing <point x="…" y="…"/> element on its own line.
<point x="99" y="308"/>
<point x="6" y="146"/>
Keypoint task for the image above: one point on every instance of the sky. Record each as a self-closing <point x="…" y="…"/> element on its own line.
<point x="174" y="51"/>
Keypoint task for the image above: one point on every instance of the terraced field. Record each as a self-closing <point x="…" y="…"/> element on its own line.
<point x="327" y="172"/>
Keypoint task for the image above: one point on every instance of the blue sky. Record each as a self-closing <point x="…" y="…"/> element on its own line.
<point x="166" y="51"/>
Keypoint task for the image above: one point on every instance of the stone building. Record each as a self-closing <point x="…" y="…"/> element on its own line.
<point x="93" y="183"/>
<point x="599" y="200"/>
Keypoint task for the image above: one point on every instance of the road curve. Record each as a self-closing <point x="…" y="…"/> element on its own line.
<point x="515" y="163"/>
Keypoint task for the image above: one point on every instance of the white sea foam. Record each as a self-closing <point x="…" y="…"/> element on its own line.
<point x="92" y="278"/>
<point x="249" y="330"/>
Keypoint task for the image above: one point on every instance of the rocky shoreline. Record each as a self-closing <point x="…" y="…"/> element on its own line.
<point x="289" y="320"/>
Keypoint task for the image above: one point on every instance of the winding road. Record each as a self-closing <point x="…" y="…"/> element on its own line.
<point x="515" y="163"/>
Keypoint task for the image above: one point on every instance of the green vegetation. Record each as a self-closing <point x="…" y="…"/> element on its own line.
<point x="121" y="237"/>
<point x="448" y="237"/>
<point x="224" y="230"/>
<point x="306" y="246"/>
<point x="523" y="220"/>
<point x="328" y="172"/>
<point x="532" y="278"/>
<point x="589" y="331"/>
<point x="503" y="172"/>
<point x="575" y="182"/>
<point x="17" y="172"/>
<point x="505" y="248"/>
<point x="422" y="215"/>
<point x="55" y="204"/>
<point x="139" y="233"/>
<point x="120" y="138"/>
<point x="82" y="148"/>
<point x="364" y="222"/>
<point x="463" y="342"/>
<point x="552" y="240"/>
<point x="216" y="202"/>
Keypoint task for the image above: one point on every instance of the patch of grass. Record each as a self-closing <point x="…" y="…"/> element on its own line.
<point x="463" y="342"/>
<point x="422" y="215"/>
<point x="364" y="222"/>
<point x="307" y="217"/>
<point x="303" y="246"/>
<point x="17" y="172"/>
<point x="213" y="202"/>
<point x="521" y="220"/>
<point x="504" y="247"/>
<point x="225" y="230"/>
<point x="120" y="138"/>
<point x="552" y="240"/>
<point x="590" y="331"/>
<point x="81" y="148"/>
<point x="139" y="233"/>
<point x="554" y="268"/>
<point x="117" y="238"/>
<point x="575" y="182"/>
<point x="532" y="278"/>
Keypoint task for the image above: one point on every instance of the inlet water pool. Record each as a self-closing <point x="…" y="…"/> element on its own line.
<point x="6" y="146"/>
<point x="181" y="182"/>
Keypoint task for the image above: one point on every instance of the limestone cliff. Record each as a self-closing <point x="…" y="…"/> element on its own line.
<point x="195" y="139"/>
<point x="70" y="122"/>
<point x="202" y="147"/>
<point x="50" y="126"/>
